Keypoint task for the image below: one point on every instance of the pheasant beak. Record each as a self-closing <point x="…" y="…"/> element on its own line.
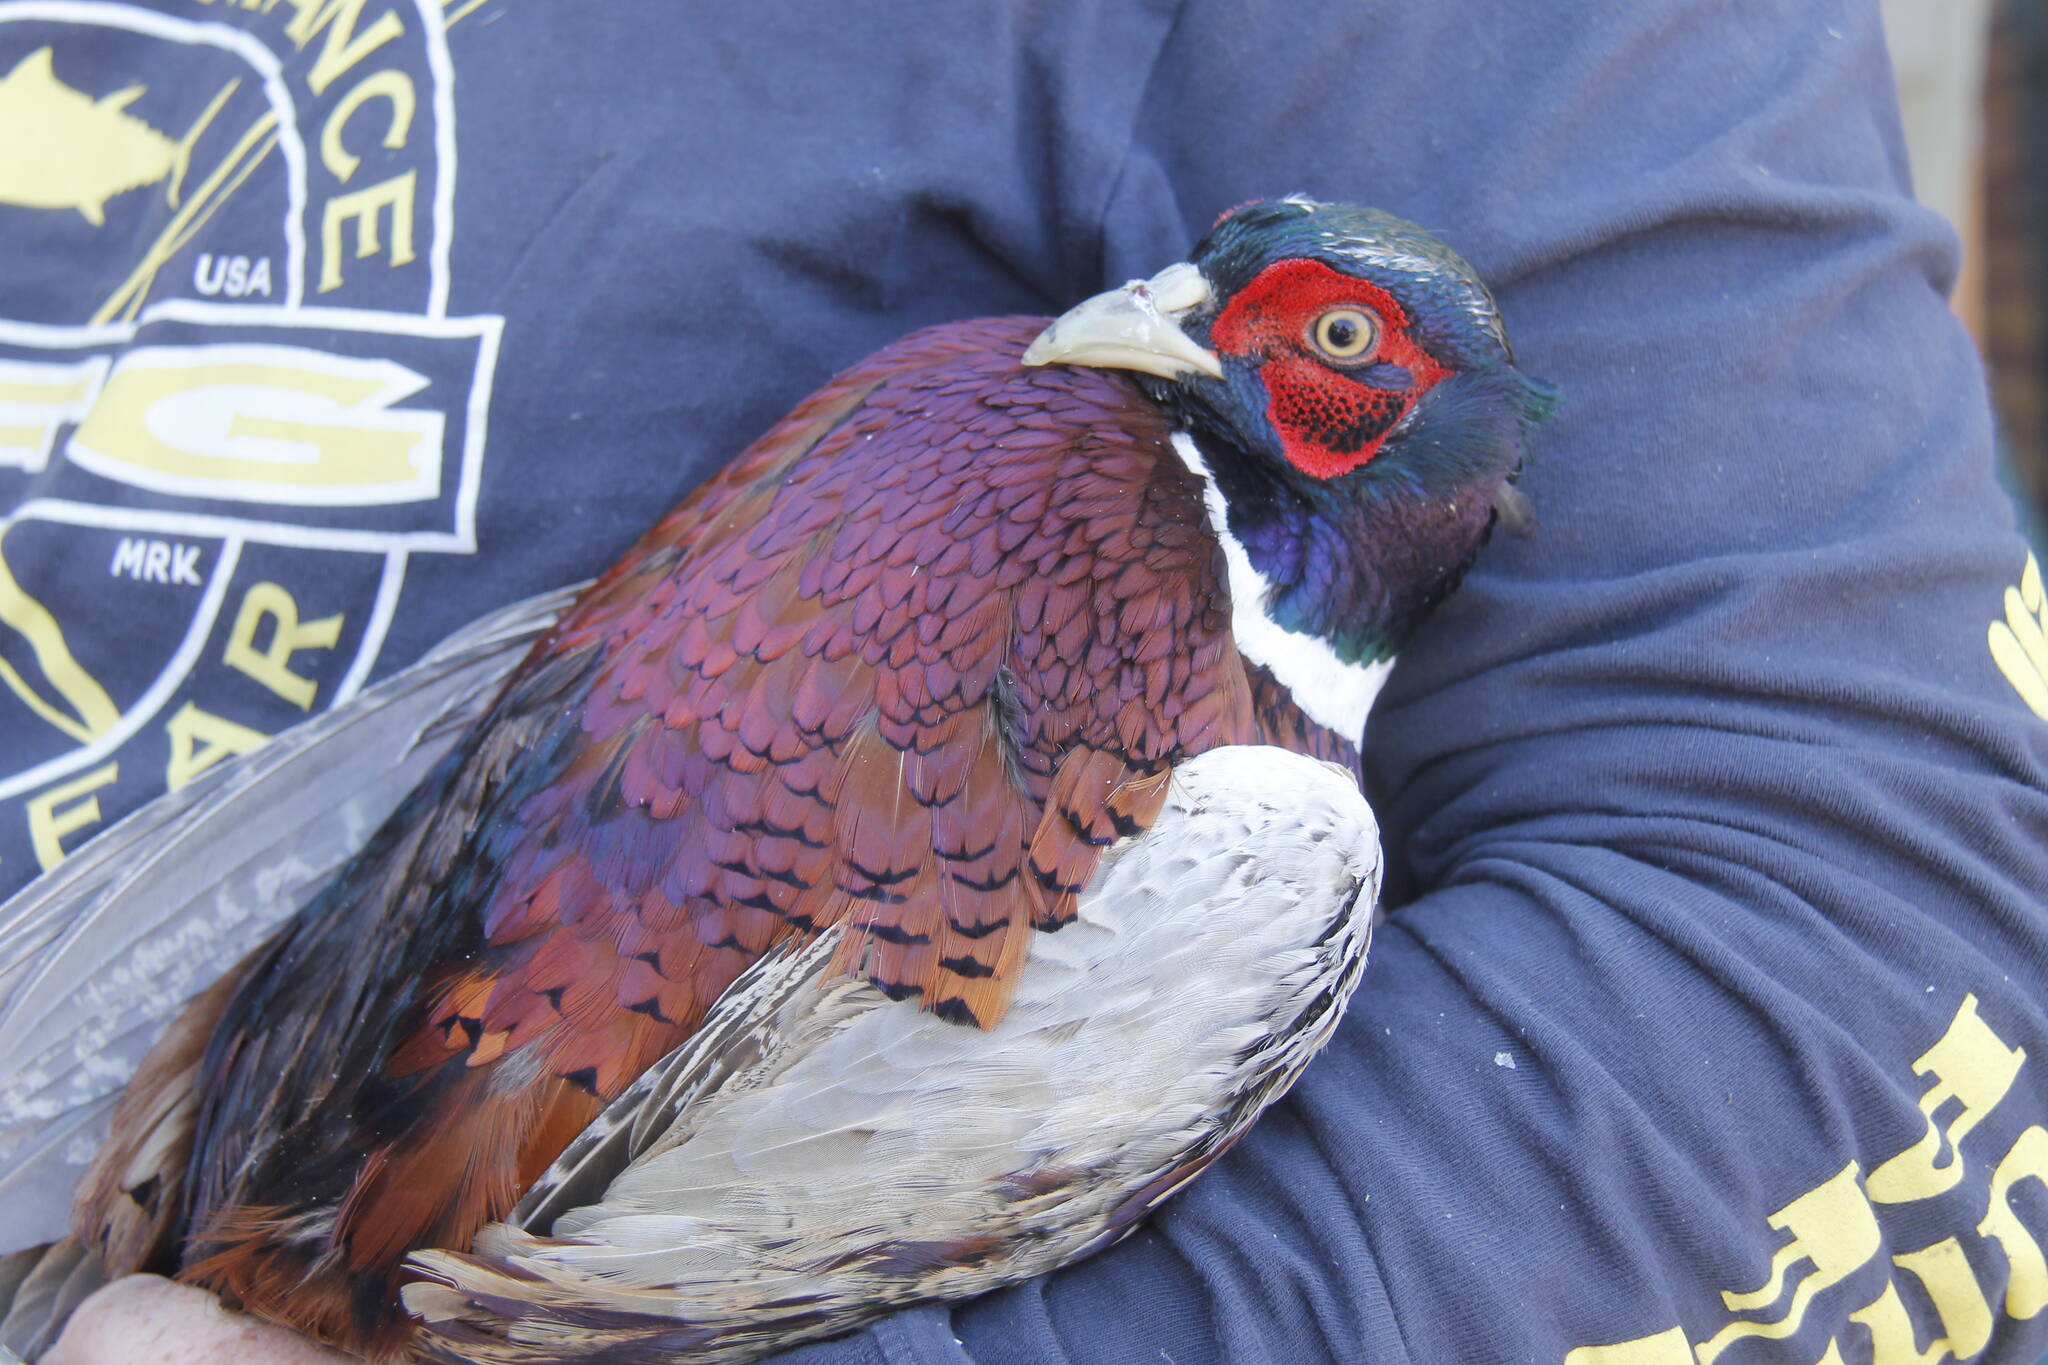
<point x="1132" y="328"/>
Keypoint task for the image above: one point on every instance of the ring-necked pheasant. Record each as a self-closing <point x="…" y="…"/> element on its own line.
<point x="938" y="714"/>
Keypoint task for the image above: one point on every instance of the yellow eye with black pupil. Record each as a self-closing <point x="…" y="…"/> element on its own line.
<point x="1346" y="335"/>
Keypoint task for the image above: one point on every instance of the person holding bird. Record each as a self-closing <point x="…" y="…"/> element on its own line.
<point x="919" y="855"/>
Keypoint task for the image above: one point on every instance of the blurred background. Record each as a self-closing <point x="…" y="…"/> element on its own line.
<point x="1973" y="82"/>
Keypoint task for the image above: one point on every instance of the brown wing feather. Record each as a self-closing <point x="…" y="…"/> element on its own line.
<point x="912" y="663"/>
<point x="130" y="1197"/>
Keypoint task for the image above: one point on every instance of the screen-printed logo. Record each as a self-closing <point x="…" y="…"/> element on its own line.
<point x="232" y="404"/>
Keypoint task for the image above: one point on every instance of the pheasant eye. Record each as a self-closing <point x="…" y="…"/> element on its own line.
<point x="1345" y="335"/>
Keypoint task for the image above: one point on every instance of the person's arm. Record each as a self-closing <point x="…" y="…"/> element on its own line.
<point x="1718" y="803"/>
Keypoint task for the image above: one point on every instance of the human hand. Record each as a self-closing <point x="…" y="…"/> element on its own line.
<point x="149" y="1320"/>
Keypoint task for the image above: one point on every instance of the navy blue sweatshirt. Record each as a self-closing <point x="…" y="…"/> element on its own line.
<point x="1708" y="1022"/>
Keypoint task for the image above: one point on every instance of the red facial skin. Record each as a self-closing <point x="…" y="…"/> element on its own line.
<point x="1330" y="420"/>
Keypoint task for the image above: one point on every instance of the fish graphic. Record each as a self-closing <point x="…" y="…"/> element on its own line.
<point x="62" y="149"/>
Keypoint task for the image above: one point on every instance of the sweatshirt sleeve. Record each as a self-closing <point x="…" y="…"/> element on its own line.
<point x="1707" y="1025"/>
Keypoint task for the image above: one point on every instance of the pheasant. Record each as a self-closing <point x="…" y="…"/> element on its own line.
<point x="931" y="845"/>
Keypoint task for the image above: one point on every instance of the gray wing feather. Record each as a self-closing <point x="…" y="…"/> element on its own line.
<point x="99" y="954"/>
<point x="39" y="1289"/>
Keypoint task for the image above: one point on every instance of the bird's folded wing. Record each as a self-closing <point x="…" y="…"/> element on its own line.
<point x="99" y="954"/>
<point x="818" y="1151"/>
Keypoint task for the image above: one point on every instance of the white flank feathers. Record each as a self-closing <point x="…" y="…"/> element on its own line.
<point x="1334" y="694"/>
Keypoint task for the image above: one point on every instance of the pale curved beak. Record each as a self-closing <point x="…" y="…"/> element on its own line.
<point x="1132" y="328"/>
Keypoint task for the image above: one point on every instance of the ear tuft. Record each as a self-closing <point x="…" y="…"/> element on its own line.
<point x="1539" y="401"/>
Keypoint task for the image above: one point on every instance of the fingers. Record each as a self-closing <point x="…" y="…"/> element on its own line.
<point x="148" y="1320"/>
